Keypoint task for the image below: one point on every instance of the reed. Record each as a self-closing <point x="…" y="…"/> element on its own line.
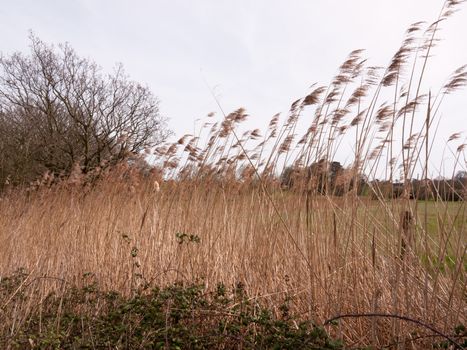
<point x="214" y="209"/>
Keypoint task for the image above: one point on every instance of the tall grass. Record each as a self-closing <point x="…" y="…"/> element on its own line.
<point x="218" y="212"/>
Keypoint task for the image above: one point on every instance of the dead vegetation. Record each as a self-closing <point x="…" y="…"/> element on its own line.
<point x="214" y="211"/>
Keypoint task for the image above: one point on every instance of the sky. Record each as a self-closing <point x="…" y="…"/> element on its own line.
<point x="261" y="55"/>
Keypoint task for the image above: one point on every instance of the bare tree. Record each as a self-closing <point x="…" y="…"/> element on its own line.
<point x="58" y="109"/>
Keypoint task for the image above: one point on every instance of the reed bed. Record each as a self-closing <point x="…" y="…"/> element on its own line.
<point x="214" y="209"/>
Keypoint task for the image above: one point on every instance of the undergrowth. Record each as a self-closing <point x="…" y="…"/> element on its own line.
<point x="174" y="317"/>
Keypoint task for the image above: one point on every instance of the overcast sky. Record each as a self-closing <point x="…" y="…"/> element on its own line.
<point x="261" y="55"/>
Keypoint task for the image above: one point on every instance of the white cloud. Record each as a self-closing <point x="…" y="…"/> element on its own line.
<point x="262" y="54"/>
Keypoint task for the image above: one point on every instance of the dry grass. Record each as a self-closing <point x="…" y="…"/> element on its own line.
<point x="223" y="216"/>
<point x="127" y="236"/>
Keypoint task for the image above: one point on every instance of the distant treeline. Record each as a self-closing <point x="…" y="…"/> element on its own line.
<point x="432" y="189"/>
<point x="331" y="178"/>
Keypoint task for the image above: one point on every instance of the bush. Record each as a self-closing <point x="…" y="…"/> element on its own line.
<point x="175" y="317"/>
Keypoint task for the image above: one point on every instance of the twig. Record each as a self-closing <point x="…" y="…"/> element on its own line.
<point x="400" y="317"/>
